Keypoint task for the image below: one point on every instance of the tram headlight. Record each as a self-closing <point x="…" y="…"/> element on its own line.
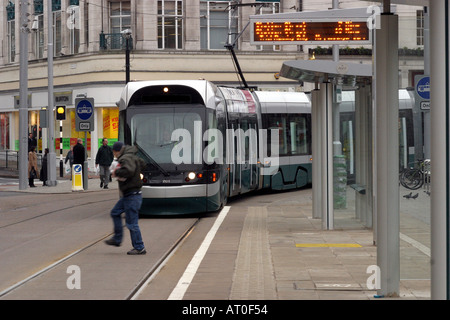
<point x="191" y="175"/>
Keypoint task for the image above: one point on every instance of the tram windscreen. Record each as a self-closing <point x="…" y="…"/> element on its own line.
<point x="152" y="127"/>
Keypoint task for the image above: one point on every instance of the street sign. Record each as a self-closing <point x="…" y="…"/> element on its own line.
<point x="77" y="177"/>
<point x="423" y="88"/>
<point x="84" y="114"/>
<point x="422" y="92"/>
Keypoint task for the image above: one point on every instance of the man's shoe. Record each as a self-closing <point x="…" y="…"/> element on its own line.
<point x="101" y="184"/>
<point x="112" y="242"/>
<point x="105" y="187"/>
<point x="136" y="252"/>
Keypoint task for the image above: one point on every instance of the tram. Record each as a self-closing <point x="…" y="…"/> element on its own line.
<point x="205" y="143"/>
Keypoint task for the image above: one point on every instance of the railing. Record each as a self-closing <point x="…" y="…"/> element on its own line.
<point x="114" y="41"/>
<point x="9" y="159"/>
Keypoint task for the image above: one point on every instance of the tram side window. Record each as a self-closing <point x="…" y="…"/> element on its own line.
<point x="277" y="122"/>
<point x="294" y="136"/>
<point x="299" y="134"/>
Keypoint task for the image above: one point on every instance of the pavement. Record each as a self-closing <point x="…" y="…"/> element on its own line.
<point x="270" y="248"/>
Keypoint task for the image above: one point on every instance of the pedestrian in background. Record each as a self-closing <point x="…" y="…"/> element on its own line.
<point x="103" y="160"/>
<point x="69" y="157"/>
<point x="128" y="173"/>
<point x="31" y="142"/>
<point x="43" y="172"/>
<point x="32" y="166"/>
<point x="79" y="155"/>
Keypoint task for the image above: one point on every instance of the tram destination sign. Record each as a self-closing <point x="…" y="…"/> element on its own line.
<point x="326" y="31"/>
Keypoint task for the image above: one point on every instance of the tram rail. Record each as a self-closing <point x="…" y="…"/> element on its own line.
<point x="140" y="284"/>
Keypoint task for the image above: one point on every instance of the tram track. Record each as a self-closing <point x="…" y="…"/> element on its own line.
<point x="134" y="294"/>
<point x="87" y="204"/>
<point x="140" y="284"/>
<point x="49" y="267"/>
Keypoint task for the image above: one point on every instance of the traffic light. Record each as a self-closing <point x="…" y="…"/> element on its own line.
<point x="60" y="112"/>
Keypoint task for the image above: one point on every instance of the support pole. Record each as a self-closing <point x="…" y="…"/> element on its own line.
<point x="23" y="97"/>
<point x="386" y="146"/>
<point x="316" y="141"/>
<point x="326" y="93"/>
<point x="426" y="71"/>
<point x="51" y="164"/>
<point x="440" y="141"/>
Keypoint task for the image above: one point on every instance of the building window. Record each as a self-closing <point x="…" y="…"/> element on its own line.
<point x="217" y="24"/>
<point x="39" y="36"/>
<point x="38" y="7"/>
<point x="268" y="8"/>
<point x="170" y="24"/>
<point x="120" y="16"/>
<point x="11" y="40"/>
<point x="120" y="20"/>
<point x="73" y="12"/>
<point x="11" y="31"/>
<point x="420" y="27"/>
<point x="57" y="30"/>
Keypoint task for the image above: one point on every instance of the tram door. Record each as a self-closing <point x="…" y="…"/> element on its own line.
<point x="234" y="154"/>
<point x="249" y="150"/>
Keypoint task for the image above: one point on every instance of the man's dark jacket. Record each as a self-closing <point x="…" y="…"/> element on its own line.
<point x="130" y="166"/>
<point x="78" y="154"/>
<point x="104" y="156"/>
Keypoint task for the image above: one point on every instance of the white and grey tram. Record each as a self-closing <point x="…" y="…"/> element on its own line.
<point x="204" y="143"/>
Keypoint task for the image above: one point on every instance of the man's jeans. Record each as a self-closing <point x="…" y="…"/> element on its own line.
<point x="130" y="204"/>
<point x="104" y="175"/>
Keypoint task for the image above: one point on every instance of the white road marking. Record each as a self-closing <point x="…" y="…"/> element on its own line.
<point x="186" y="279"/>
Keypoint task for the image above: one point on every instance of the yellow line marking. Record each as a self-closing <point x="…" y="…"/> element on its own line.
<point x="328" y="245"/>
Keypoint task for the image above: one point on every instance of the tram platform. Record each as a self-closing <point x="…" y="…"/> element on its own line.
<point x="269" y="247"/>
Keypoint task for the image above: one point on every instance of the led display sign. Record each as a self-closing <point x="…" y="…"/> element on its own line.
<point x="310" y="32"/>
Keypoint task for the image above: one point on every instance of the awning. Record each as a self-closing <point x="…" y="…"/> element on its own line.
<point x="348" y="73"/>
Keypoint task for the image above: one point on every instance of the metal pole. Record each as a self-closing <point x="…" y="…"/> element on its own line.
<point x="127" y="60"/>
<point x="440" y="129"/>
<point x="326" y="92"/>
<point x="85" y="163"/>
<point x="61" y="165"/>
<point x="51" y="164"/>
<point x="316" y="141"/>
<point x="386" y="155"/>
<point x="23" y="97"/>
<point x="426" y="70"/>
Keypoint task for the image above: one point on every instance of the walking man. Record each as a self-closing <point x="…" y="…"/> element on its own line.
<point x="104" y="158"/>
<point x="79" y="155"/>
<point x="128" y="173"/>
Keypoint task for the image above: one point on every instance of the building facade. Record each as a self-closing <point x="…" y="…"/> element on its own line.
<point x="170" y="39"/>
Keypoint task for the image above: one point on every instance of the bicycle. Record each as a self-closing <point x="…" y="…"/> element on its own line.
<point x="414" y="178"/>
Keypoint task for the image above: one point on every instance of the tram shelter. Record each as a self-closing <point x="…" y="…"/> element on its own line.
<point x="385" y="205"/>
<point x="331" y="78"/>
<point x="376" y="178"/>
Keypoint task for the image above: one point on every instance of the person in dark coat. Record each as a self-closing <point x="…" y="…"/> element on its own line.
<point x="79" y="155"/>
<point x="43" y="173"/>
<point x="104" y="159"/>
<point x="128" y="173"/>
